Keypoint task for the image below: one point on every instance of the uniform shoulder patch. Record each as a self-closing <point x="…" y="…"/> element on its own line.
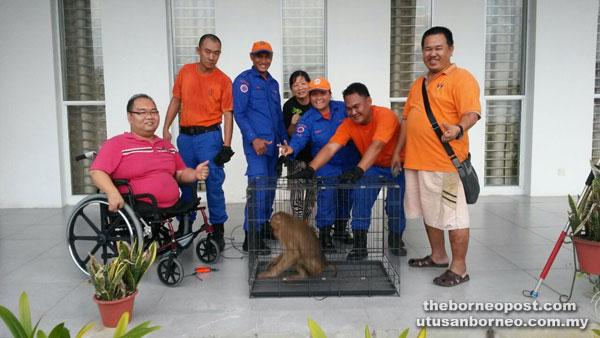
<point x="244" y="88"/>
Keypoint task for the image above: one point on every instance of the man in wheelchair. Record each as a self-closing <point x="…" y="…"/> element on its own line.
<point x="150" y="164"/>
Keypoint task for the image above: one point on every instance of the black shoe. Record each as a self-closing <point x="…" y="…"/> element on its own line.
<point x="359" y="251"/>
<point x="267" y="231"/>
<point x="218" y="235"/>
<point x="396" y="244"/>
<point x="254" y="242"/>
<point x="325" y="238"/>
<point x="341" y="234"/>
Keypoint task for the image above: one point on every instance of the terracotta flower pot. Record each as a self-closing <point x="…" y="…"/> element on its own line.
<point x="587" y="255"/>
<point x="112" y="310"/>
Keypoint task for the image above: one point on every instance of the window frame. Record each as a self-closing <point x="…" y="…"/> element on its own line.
<point x="286" y="92"/>
<point x="523" y="99"/>
<point x="403" y="99"/>
<point x="65" y="154"/>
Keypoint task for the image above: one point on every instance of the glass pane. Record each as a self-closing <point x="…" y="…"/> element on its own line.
<point x="502" y="142"/>
<point x="190" y="20"/>
<point x="596" y="132"/>
<point x="504" y="47"/>
<point x="398" y="108"/>
<point x="410" y="19"/>
<point x="87" y="131"/>
<point x="83" y="73"/>
<point x="303" y="29"/>
<point x="597" y="87"/>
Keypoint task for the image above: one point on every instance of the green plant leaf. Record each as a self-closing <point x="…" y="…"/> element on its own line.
<point x="367" y="333"/>
<point x="25" y="314"/>
<point x="423" y="332"/>
<point x="596" y="332"/>
<point x="41" y="334"/>
<point x="315" y="329"/>
<point x="84" y="329"/>
<point x="404" y="334"/>
<point x="12" y="323"/>
<point x="59" y="331"/>
<point x="141" y="330"/>
<point x="122" y="326"/>
<point x="34" y="330"/>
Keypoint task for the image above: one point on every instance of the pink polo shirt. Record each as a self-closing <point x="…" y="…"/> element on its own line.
<point x="149" y="166"/>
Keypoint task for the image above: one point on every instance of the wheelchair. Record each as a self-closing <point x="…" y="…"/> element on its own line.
<point x="94" y="230"/>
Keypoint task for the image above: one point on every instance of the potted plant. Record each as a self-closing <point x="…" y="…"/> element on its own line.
<point x="116" y="282"/>
<point x="584" y="219"/>
<point x="22" y="328"/>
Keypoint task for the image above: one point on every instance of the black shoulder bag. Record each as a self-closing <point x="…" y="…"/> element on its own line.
<point x="467" y="173"/>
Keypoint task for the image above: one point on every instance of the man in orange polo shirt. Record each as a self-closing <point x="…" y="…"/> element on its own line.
<point x="433" y="188"/>
<point x="204" y="94"/>
<point x="374" y="130"/>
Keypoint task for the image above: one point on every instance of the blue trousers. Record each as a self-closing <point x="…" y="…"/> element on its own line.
<point x="262" y="175"/>
<point x="332" y="204"/>
<point x="365" y="198"/>
<point x="195" y="149"/>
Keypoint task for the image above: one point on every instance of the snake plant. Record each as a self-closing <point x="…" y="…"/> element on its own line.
<point x="584" y="216"/>
<point x="120" y="278"/>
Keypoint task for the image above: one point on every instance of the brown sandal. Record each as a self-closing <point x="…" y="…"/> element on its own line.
<point x="425" y="262"/>
<point x="450" y="278"/>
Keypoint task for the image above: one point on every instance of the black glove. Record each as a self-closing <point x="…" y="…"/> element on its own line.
<point x="281" y="161"/>
<point x="306" y="173"/>
<point x="351" y="175"/>
<point x="223" y="156"/>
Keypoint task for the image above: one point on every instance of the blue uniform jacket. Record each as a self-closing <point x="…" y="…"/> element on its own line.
<point x="257" y="110"/>
<point x="317" y="130"/>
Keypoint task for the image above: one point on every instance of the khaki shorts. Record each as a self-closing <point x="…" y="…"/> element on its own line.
<point x="438" y="197"/>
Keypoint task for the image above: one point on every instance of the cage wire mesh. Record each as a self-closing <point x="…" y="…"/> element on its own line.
<point x="377" y="274"/>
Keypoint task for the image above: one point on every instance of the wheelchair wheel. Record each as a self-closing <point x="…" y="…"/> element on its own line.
<point x="170" y="271"/>
<point x="207" y="250"/>
<point x="92" y="229"/>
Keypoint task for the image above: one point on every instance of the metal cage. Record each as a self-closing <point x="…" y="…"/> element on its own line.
<point x="377" y="274"/>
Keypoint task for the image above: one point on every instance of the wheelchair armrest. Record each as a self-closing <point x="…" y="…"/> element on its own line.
<point x="121" y="181"/>
<point x="194" y="188"/>
<point x="152" y="199"/>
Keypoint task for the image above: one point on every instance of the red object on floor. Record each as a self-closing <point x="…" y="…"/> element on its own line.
<point x="587" y="255"/>
<point x="111" y="311"/>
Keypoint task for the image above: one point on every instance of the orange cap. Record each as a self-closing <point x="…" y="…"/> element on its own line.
<point x="261" y="46"/>
<point x="319" y="83"/>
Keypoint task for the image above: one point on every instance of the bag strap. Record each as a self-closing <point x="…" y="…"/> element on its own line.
<point x="436" y="127"/>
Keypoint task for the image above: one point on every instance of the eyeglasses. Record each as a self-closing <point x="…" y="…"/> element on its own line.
<point x="145" y="113"/>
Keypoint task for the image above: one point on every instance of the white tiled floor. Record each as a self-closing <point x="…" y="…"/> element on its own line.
<point x="511" y="238"/>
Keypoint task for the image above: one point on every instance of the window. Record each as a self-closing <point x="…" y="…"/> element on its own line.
<point x="410" y="19"/>
<point x="83" y="86"/>
<point x="504" y="90"/>
<point x="596" y="130"/>
<point x="303" y="32"/>
<point x="190" y="19"/>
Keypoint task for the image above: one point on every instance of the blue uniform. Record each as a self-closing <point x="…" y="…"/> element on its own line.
<point x="195" y="149"/>
<point x="316" y="130"/>
<point x="257" y="112"/>
<point x="365" y="198"/>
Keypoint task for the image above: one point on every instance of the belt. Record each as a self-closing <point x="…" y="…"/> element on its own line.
<point x="195" y="130"/>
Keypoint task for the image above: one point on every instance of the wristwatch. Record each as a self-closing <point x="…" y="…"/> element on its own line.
<point x="460" y="135"/>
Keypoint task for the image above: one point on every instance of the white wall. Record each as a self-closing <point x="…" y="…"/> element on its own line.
<point x="29" y="149"/>
<point x="561" y="128"/>
<point x="136" y="57"/>
<point x="358" y="47"/>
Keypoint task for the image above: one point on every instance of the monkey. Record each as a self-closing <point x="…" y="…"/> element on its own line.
<point x="300" y="248"/>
